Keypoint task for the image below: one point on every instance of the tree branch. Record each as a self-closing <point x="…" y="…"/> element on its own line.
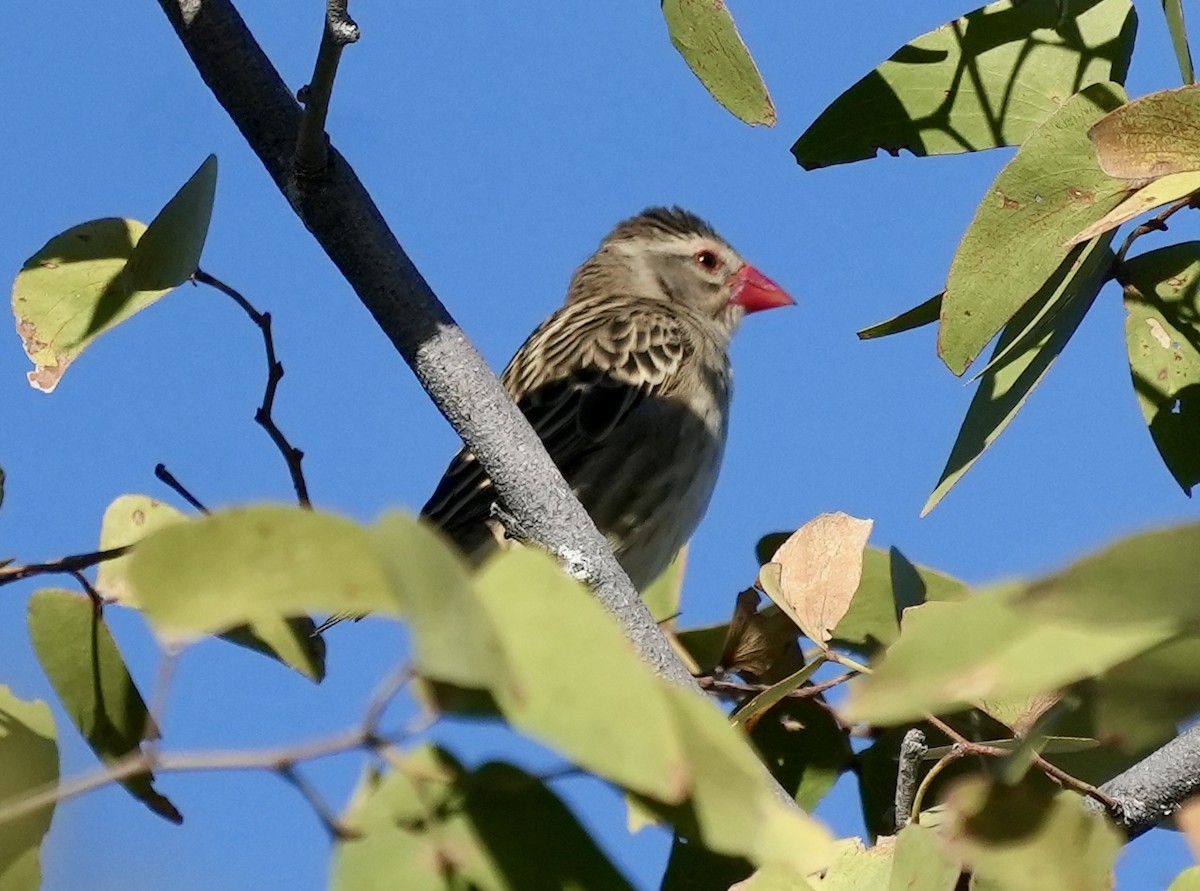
<point x="1151" y="790"/>
<point x="339" y="212"/>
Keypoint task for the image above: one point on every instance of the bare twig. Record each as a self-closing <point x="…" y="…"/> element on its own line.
<point x="720" y="686"/>
<point x="14" y="572"/>
<point x="918" y="799"/>
<point x="338" y="830"/>
<point x="312" y="149"/>
<point x="281" y="760"/>
<point x="1055" y="773"/>
<point x="167" y="478"/>
<point x="263" y="416"/>
<point x="1154" y="224"/>
<point x="912" y="751"/>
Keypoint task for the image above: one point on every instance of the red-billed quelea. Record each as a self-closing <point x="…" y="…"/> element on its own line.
<point x="628" y="386"/>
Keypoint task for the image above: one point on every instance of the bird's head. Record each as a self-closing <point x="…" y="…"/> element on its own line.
<point x="672" y="255"/>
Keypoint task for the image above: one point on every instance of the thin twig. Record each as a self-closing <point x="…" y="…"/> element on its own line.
<point x="90" y="590"/>
<point x="291" y="455"/>
<point x="335" y="827"/>
<point x="312" y="149"/>
<point x="1055" y="773"/>
<point x="278" y="760"/>
<point x="14" y="572"/>
<point x="1154" y="224"/>
<point x="912" y="752"/>
<point x="720" y="686"/>
<point x="168" y="479"/>
<point x="914" y="814"/>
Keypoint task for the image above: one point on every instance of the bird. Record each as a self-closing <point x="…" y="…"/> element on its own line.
<point x="628" y="385"/>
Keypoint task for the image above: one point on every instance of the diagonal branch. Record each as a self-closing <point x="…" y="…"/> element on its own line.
<point x="341" y="215"/>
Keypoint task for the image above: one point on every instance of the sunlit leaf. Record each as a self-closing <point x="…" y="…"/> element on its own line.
<point x="96" y="275"/>
<point x="1162" y="334"/>
<point x="130" y="518"/>
<point x="857" y="868"/>
<point x="1015" y="247"/>
<point x="705" y="34"/>
<point x="1188" y="880"/>
<point x="984" y="80"/>
<point x="1150" y="137"/>
<point x="1028" y="346"/>
<point x="30" y="757"/>
<point x="81" y="659"/>
<point x="1173" y="10"/>
<point x="1162" y="191"/>
<point x="987" y="647"/>
<point x="246" y="564"/>
<point x="577" y="683"/>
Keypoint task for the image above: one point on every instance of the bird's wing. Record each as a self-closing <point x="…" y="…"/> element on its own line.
<point x="575" y="379"/>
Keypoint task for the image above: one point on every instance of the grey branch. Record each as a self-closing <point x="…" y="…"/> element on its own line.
<point x="1152" y="789"/>
<point x="912" y="752"/>
<point x="341" y="215"/>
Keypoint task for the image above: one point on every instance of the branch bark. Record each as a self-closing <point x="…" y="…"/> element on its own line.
<point x="1151" y="790"/>
<point x="341" y="215"/>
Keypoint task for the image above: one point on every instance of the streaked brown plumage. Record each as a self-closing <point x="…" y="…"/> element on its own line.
<point x="628" y="386"/>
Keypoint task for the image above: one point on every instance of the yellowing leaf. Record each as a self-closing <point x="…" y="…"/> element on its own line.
<point x="1162" y="191"/>
<point x="129" y="519"/>
<point x="1150" y="137"/>
<point x="820" y="568"/>
<point x="96" y="275"/>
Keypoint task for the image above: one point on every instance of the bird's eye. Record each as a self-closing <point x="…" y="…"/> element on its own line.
<point x="708" y="259"/>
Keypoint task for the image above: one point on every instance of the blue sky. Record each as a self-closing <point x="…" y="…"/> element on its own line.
<point x="501" y="142"/>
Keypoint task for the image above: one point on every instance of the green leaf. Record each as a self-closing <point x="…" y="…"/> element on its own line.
<point x="732" y="806"/>
<point x="1017" y="241"/>
<point x="1150" y="137"/>
<point x="130" y="518"/>
<point x="248" y="564"/>
<point x="1146" y="579"/>
<point x="805" y="749"/>
<point x="890" y="584"/>
<point x="989" y="647"/>
<point x="665" y="593"/>
<point x="921" y="862"/>
<point x="1162" y="334"/>
<point x="30" y="758"/>
<point x="168" y="253"/>
<point x="704" y="33"/>
<point x="924" y="314"/>
<point x="1173" y="10"/>
<point x="1027" y="836"/>
<point x="1028" y="346"/>
<point x="747" y="715"/>
<point x="770" y="878"/>
<point x="454" y="640"/>
<point x="577" y="684"/>
<point x="430" y="824"/>
<point x="984" y="80"/>
<point x="81" y="659"/>
<point x="96" y="275"/>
